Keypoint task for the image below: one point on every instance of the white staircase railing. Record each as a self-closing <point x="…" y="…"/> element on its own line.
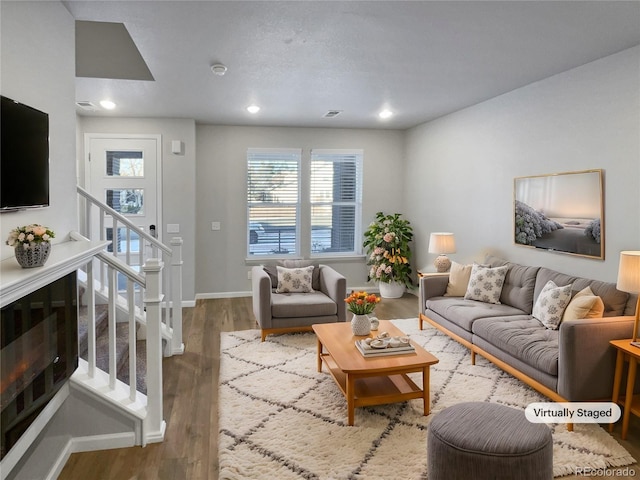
<point x="151" y="304"/>
<point x="171" y="287"/>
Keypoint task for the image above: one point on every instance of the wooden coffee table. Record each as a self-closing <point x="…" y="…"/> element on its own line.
<point x="371" y="381"/>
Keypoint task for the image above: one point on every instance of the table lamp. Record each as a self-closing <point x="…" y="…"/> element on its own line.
<point x="629" y="281"/>
<point x="442" y="243"/>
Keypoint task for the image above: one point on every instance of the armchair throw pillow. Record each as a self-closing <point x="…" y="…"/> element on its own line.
<point x="584" y="304"/>
<point x="485" y="283"/>
<point x="295" y="280"/>
<point x="551" y="303"/>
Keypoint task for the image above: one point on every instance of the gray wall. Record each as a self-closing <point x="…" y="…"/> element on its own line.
<point x="178" y="177"/>
<point x="38" y="69"/>
<point x="221" y="193"/>
<point x="460" y="168"/>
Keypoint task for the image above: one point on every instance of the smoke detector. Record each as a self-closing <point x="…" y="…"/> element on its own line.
<point x="218" y="69"/>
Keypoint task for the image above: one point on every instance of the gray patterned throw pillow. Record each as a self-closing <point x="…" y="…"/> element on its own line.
<point x="294" y="280"/>
<point x="485" y="283"/>
<point x="551" y="304"/>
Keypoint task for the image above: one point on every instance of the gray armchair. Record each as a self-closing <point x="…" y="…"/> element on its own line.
<point x="295" y="312"/>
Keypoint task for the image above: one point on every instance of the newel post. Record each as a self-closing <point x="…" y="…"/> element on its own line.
<point x="177" y="347"/>
<point x="154" y="425"/>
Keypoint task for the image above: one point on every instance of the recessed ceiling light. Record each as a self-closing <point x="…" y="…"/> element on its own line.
<point x="219" y="69"/>
<point x="253" y="109"/>
<point x="385" y="114"/>
<point x="107" y="104"/>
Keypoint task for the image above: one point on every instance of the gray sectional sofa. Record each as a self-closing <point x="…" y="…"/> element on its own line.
<point x="573" y="363"/>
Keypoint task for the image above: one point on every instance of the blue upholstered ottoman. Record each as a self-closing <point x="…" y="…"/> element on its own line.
<point x="480" y="441"/>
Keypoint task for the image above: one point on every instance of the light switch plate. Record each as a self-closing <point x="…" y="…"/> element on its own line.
<point x="215" y="225"/>
<point x="173" y="228"/>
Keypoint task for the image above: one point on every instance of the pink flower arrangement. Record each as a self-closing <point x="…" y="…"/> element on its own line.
<point x="29" y="236"/>
<point x="387" y="244"/>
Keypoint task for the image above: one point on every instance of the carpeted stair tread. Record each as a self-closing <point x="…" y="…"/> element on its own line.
<point x="102" y="314"/>
<point x="122" y="347"/>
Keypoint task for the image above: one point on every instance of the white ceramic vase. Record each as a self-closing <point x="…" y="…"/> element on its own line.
<point x="391" y="290"/>
<point x="360" y="325"/>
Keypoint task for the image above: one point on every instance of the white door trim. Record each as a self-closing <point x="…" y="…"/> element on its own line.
<point x="128" y="136"/>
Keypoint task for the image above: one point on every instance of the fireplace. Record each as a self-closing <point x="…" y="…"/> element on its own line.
<point x="39" y="352"/>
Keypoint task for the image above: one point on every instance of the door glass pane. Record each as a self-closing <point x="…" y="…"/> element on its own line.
<point x="126" y="201"/>
<point x="121" y="241"/>
<point x="125" y="164"/>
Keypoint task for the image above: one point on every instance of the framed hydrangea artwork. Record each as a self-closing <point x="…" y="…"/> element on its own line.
<point x="561" y="212"/>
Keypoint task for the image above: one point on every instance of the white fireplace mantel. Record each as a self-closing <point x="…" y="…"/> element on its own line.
<point x="16" y="282"/>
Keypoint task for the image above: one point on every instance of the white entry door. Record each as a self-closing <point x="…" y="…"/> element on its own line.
<point x="123" y="172"/>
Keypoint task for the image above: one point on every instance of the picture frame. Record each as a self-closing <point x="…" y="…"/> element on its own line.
<point x="561" y="212"/>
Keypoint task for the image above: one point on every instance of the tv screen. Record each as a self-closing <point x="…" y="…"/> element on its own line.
<point x="24" y="156"/>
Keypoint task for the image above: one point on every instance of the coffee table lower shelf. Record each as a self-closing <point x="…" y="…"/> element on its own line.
<point x="375" y="388"/>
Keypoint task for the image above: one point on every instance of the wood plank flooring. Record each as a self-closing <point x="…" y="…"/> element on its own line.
<point x="190" y="448"/>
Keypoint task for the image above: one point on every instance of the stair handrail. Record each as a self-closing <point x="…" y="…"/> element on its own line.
<point x="121" y="218"/>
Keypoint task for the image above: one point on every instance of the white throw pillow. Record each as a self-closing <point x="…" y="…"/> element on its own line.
<point x="295" y="280"/>
<point x="485" y="283"/>
<point x="458" y="280"/>
<point x="584" y="304"/>
<point x="551" y="304"/>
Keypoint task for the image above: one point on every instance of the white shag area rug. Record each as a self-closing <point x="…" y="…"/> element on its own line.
<point x="280" y="418"/>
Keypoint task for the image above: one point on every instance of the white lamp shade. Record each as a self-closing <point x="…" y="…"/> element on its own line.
<point x="442" y="242"/>
<point x="629" y="272"/>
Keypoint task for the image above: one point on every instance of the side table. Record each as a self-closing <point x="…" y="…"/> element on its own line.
<point x="630" y="353"/>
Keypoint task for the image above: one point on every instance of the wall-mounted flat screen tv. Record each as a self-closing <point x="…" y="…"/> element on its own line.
<point x="562" y="212"/>
<point x="24" y="156"/>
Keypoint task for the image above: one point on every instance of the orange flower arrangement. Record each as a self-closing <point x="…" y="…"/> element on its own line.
<point x="361" y="303"/>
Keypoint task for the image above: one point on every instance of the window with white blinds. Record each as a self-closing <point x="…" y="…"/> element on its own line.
<point x="336" y="201"/>
<point x="331" y="220"/>
<point x="273" y="201"/>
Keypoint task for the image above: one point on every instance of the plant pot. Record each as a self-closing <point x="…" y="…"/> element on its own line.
<point x="360" y="325"/>
<point x="34" y="256"/>
<point x="391" y="290"/>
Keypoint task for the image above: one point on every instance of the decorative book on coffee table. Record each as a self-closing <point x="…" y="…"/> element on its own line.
<point x="367" y="350"/>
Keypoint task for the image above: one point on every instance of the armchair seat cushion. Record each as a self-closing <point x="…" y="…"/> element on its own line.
<point x="314" y="304"/>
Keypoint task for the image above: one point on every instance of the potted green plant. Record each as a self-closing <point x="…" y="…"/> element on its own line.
<point x="386" y="242"/>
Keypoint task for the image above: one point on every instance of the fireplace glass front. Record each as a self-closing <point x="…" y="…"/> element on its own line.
<point x="39" y="340"/>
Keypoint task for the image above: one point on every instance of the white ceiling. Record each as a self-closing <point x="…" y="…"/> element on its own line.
<point x="297" y="60"/>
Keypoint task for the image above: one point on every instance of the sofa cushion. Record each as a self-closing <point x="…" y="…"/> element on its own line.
<point x="294" y="280"/>
<point x="551" y="303"/>
<point x="584" y="304"/>
<point x="464" y="312"/>
<point x="519" y="283"/>
<point x="485" y="283"/>
<point x="314" y="304"/>
<point x="614" y="300"/>
<point x="458" y="280"/>
<point x="522" y="337"/>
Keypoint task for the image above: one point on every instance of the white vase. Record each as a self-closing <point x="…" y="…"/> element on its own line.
<point x="360" y="325"/>
<point x="391" y="290"/>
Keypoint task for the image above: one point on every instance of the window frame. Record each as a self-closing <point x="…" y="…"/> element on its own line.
<point x="304" y="205"/>
<point x="274" y="152"/>
<point x="340" y="155"/>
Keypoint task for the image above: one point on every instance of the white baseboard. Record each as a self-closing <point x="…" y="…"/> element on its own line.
<point x="209" y="296"/>
<point x="90" y="444"/>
